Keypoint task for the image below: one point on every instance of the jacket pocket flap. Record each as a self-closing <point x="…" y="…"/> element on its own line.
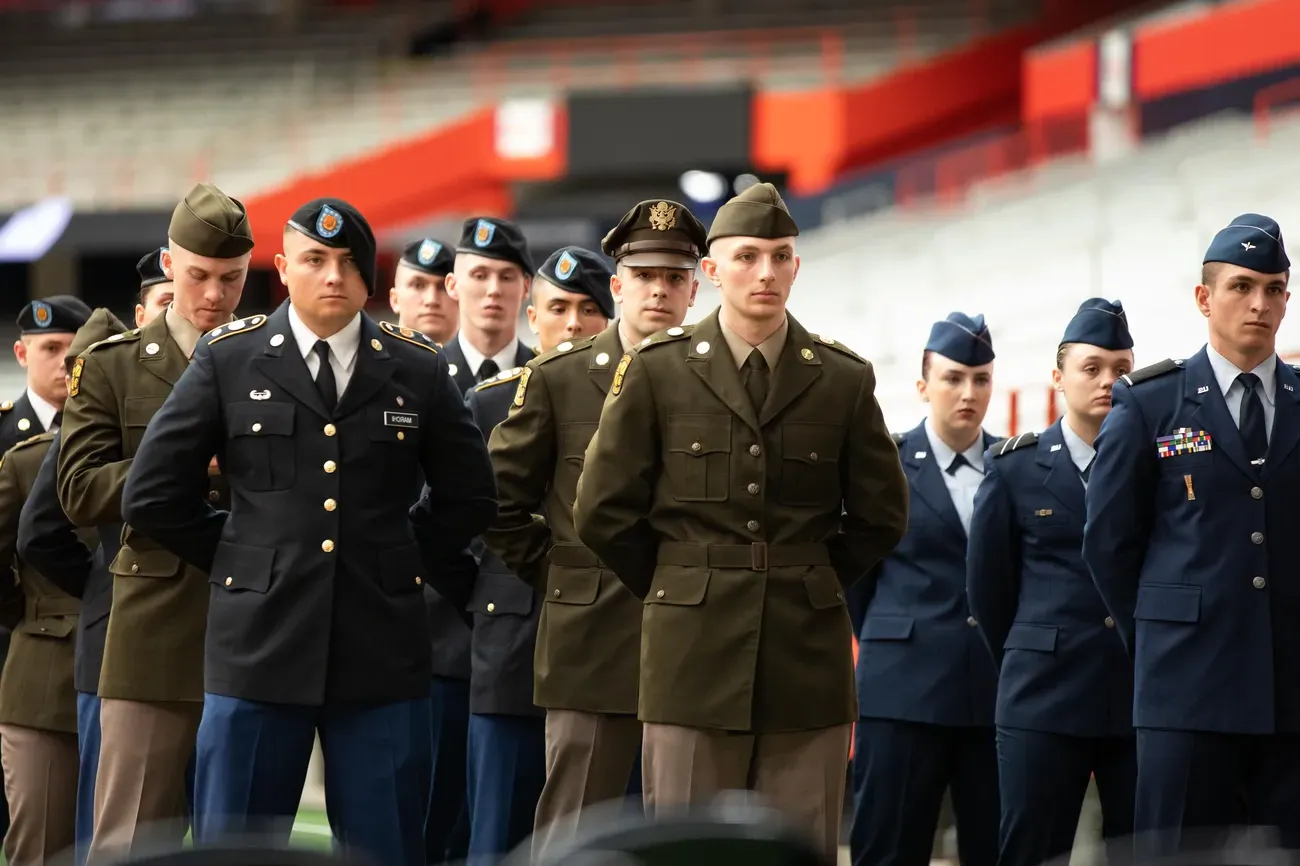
<point x="678" y="585"/>
<point x="1040" y="638"/>
<point x="823" y="586"/>
<point x="501" y="593"/>
<point x="137" y="411"/>
<point x="1168" y="603"/>
<point x="698" y="435"/>
<point x="811" y="443"/>
<point x="242" y="567"/>
<point x="53" y="626"/>
<point x="259" y="419"/>
<point x="572" y="585"/>
<point x="887" y="628"/>
<point x="402" y="570"/>
<point x="145" y="563"/>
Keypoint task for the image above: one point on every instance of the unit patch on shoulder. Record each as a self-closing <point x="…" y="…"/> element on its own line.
<point x="619" y="372"/>
<point x="239" y="326"/>
<point x="74" y="383"/>
<point x="1168" y="365"/>
<point x="408" y="335"/>
<point x="1006" y="446"/>
<point x="500" y="378"/>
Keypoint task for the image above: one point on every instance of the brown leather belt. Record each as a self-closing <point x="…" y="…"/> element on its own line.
<point x="759" y="556"/>
<point x="566" y="554"/>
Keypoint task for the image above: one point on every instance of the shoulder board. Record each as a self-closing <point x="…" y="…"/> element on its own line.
<point x="124" y="337"/>
<point x="568" y="347"/>
<point x="1168" y="365"/>
<point x="672" y="335"/>
<point x="32" y="440"/>
<point x="839" y="347"/>
<point x="1005" y="446"/>
<point x="898" y="437"/>
<point x="239" y="326"/>
<point x="409" y="335"/>
<point x="501" y="378"/>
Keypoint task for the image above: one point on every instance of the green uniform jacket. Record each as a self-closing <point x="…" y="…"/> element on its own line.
<point x="741" y="529"/>
<point x="589" y="634"/>
<point x="154" y="647"/>
<point x="36" y="690"/>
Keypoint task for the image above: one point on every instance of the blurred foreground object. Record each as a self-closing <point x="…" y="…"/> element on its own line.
<point x="251" y="854"/>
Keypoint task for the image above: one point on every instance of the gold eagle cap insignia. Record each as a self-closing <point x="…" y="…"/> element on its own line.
<point x="663" y="216"/>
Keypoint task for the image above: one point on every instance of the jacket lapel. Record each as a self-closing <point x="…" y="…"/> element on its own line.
<point x="1211" y="414"/>
<point x="1286" y="417"/>
<point x="798" y="368"/>
<point x="166" y="360"/>
<point x="927" y="478"/>
<point x="285" y="366"/>
<point x="374" y="367"/>
<point x="711" y="360"/>
<point x="606" y="350"/>
<point x="1062" y="479"/>
<point x="457" y="366"/>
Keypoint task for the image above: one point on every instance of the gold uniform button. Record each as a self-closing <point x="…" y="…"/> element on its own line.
<point x="214" y="495"/>
<point x="229" y="581"/>
<point x="754" y="451"/>
<point x="330" y="505"/>
<point x="753" y="489"/>
<point x="659" y="594"/>
<point x="1258" y="583"/>
<point x="556" y="593"/>
<point x="491" y="607"/>
<point x="1256" y="493"/>
<point x="695" y="446"/>
<point x="1110" y="622"/>
<point x="972" y="621"/>
<point x="813" y="456"/>
<point x="752" y="526"/>
<point x="327" y="546"/>
<point x="135" y="567"/>
<point x="401" y="435"/>
<point x="330" y="466"/>
<point x="418" y="581"/>
<point x="330" y="430"/>
<point x="1257" y="537"/>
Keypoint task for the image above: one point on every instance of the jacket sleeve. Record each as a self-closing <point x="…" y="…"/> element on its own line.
<point x="993" y="559"/>
<point x="11" y="502"/>
<point x="47" y="539"/>
<point x="92" y="465"/>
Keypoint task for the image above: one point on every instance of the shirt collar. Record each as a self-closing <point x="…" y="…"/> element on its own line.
<point x="1226" y="373"/>
<point x="182" y="331"/>
<point x="1080" y="452"/>
<point x="343" y="344"/>
<point x="770" y="348"/>
<point x="943" y="455"/>
<point x="45" y="410"/>
<point x="505" y="358"/>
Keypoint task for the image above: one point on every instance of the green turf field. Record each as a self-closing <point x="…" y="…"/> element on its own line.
<point x="311" y="829"/>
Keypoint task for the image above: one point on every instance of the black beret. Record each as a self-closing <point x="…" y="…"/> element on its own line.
<point x="581" y="272"/>
<point x="1099" y="323"/>
<point x="962" y="338"/>
<point x="657" y="234"/>
<point x="337" y="224"/>
<point x="57" y="314"/>
<point x="1251" y="241"/>
<point x="495" y="239"/>
<point x="758" y="212"/>
<point x="150" y="269"/>
<point x="429" y="256"/>
<point x="210" y="223"/>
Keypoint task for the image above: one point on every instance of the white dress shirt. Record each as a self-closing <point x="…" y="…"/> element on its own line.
<point x="1226" y="373"/>
<point x="45" y="410"/>
<point x="505" y="358"/>
<point x="963" y="483"/>
<point x="343" y="348"/>
<point x="1081" y="453"/>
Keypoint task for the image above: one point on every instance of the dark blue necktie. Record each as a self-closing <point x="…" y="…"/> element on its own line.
<point x="1254" y="432"/>
<point x="957" y="462"/>
<point x="1087" y="470"/>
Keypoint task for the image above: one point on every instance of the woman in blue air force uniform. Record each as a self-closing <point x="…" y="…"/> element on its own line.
<point x="1065" y="688"/>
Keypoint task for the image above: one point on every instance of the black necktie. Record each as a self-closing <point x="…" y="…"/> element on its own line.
<point x="329" y="392"/>
<point x="1254" y="432"/>
<point x="487" y="370"/>
<point x="957" y="462"/>
<point x="58" y="419"/>
<point x="756" y="379"/>
<point x="1087" y="470"/>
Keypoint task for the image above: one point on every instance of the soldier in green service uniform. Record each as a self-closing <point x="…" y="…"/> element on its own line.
<point x="151" y="684"/>
<point x="38" y="703"/>
<point x="588" y="639"/>
<point x="740" y="478"/>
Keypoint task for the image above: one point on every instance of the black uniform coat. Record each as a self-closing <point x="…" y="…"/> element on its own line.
<point x="505" y="609"/>
<point x="318" y="570"/>
<point x="11" y="423"/>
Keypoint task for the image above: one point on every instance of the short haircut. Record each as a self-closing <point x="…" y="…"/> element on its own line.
<point x="925" y="365"/>
<point x="1060" y="355"/>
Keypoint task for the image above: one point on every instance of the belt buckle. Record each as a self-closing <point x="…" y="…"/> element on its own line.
<point x="758" y="556"/>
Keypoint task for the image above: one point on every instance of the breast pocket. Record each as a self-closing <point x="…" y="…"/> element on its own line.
<point x="395" y="438"/>
<point x="810" y="464"/>
<point x="574" y="439"/>
<point x="136" y="414"/>
<point x="699" y="457"/>
<point x="260" y="451"/>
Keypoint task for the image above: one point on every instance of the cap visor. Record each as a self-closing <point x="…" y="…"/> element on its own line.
<point x="659" y="260"/>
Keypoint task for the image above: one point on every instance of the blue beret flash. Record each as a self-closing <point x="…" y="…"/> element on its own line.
<point x="1251" y="241"/>
<point x="962" y="338"/>
<point x="1099" y="323"/>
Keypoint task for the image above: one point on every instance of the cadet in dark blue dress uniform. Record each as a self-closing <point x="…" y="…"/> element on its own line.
<point x="1065" y="686"/>
<point x="1191" y="540"/>
<point x="925" y="681"/>
<point x="317" y="620"/>
<point x="571" y="301"/>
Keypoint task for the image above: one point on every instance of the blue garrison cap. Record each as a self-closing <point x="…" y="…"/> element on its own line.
<point x="1250" y="241"/>
<point x="1100" y="323"/>
<point x="962" y="338"/>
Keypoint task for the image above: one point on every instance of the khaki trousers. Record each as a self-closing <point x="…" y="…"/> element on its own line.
<point x="40" y="776"/>
<point x="799" y="773"/>
<point x="589" y="760"/>
<point x="140" y="795"/>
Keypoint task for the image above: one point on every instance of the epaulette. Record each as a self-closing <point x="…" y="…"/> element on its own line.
<point x="1005" y="446"/>
<point x="679" y="332"/>
<point x="568" y="347"/>
<point x="1168" y="365"/>
<point x="501" y="378"/>
<point x="124" y="337"/>
<point x="239" y="326"/>
<point x="898" y="437"/>
<point x="32" y="440"/>
<point x="839" y="347"/>
<point x="409" y="335"/>
<point x="6" y="406"/>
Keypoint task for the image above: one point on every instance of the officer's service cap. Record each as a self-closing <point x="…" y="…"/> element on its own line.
<point x="57" y="314"/>
<point x="962" y="338"/>
<point x="336" y="224"/>
<point x="758" y="212"/>
<point x="495" y="239"/>
<point x="150" y="269"/>
<point x="581" y="272"/>
<point x="1251" y="241"/>
<point x="101" y="325"/>
<point x="1099" y="323"/>
<point x="210" y="223"/>
<point x="429" y="256"/>
<point x="657" y="234"/>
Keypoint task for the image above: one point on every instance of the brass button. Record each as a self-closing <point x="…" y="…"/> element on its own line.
<point x="1258" y="583"/>
<point x="1256" y="493"/>
<point x="1110" y="622"/>
<point x="659" y="594"/>
<point x="491" y="607"/>
<point x="1257" y="537"/>
<point x="400" y="435"/>
<point x="327" y="545"/>
<point x="257" y="427"/>
<point x="229" y="581"/>
<point x="556" y="593"/>
<point x="330" y="430"/>
<point x="695" y="446"/>
<point x="330" y="505"/>
<point x="754" y="451"/>
<point x="214" y="495"/>
<point x="813" y="456"/>
<point x="135" y="567"/>
<point x="753" y="489"/>
<point x="752" y="526"/>
<point x="839" y="596"/>
<point x="330" y="466"/>
<point x="418" y="580"/>
<point x="971" y="621"/>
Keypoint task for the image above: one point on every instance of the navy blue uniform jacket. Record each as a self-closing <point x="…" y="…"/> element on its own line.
<point x="1062" y="666"/>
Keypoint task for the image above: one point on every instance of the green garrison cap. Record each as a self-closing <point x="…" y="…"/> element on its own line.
<point x="656" y="234"/>
<point x="758" y="212"/>
<point x="210" y="223"/>
<point x="101" y="325"/>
